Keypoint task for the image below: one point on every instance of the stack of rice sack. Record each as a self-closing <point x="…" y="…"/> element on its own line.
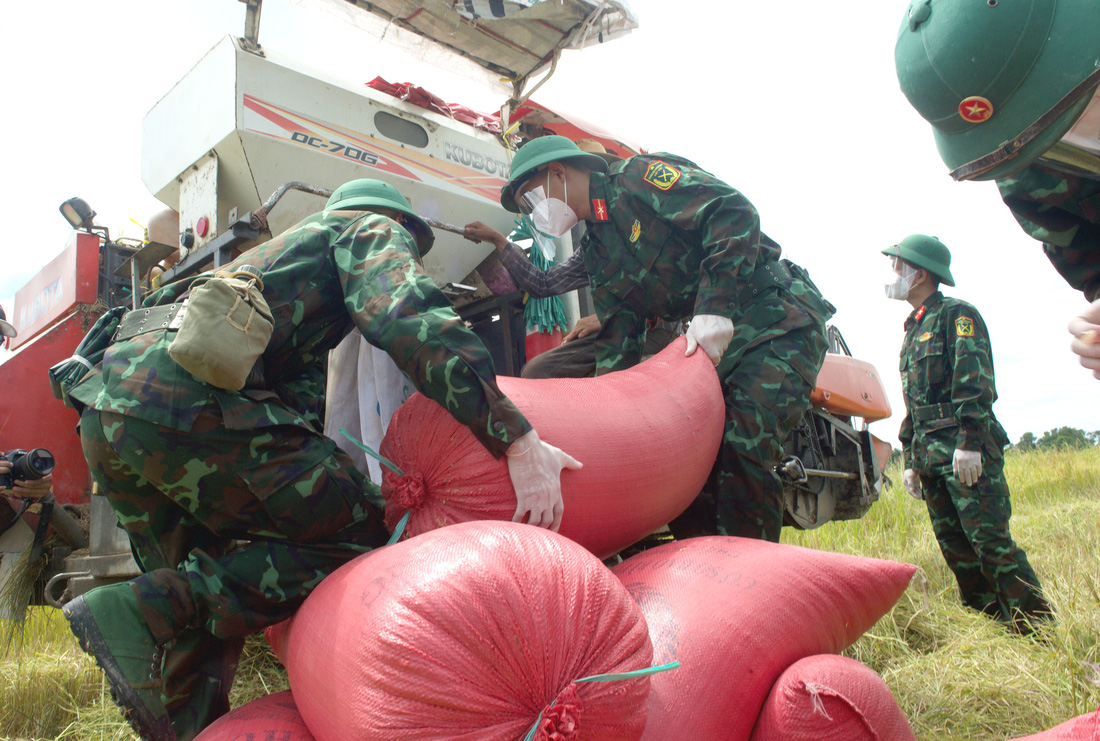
<point x="474" y="627"/>
<point x="482" y="630"/>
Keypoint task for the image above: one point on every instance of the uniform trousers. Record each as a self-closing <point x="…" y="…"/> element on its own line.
<point x="231" y="528"/>
<point x="971" y="527"/>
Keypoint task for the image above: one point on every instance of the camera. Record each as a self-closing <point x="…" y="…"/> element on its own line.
<point x="26" y="465"/>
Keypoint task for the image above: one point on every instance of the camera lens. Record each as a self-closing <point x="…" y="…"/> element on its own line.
<point x="40" y="461"/>
<point x="34" y="465"/>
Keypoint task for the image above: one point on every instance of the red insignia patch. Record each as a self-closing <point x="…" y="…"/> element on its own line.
<point x="920" y="312"/>
<point x="975" y="109"/>
<point x="599" y="209"/>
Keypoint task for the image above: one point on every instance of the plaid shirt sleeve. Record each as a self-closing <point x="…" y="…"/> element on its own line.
<point x="568" y="276"/>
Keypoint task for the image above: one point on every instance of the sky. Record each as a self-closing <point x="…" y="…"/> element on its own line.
<point x="796" y="104"/>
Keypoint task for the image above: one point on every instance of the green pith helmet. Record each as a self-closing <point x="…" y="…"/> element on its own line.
<point x="538" y="152"/>
<point x="367" y="194"/>
<point x="999" y="80"/>
<point x="924" y="252"/>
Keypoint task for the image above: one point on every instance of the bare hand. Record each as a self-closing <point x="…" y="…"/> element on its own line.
<point x="1085" y="329"/>
<point x="34" y="489"/>
<point x="535" y="469"/>
<point x="912" y="482"/>
<point x="478" y="231"/>
<point x="585" y="326"/>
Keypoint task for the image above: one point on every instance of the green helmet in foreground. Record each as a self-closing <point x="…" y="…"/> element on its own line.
<point x="367" y="195"/>
<point x="538" y="152"/>
<point x="999" y="80"/>
<point x="924" y="252"/>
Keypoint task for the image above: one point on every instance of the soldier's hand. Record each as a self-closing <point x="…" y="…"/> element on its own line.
<point x="710" y="332"/>
<point x="1085" y="329"/>
<point x="477" y="231"/>
<point x="585" y="326"/>
<point x="967" y="465"/>
<point x="535" y="469"/>
<point x="911" y="480"/>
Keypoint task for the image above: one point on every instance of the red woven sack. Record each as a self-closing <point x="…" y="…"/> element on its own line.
<point x="736" y="613"/>
<point x="647" y="436"/>
<point x="474" y="631"/>
<point x="1082" y="728"/>
<point x="270" y="718"/>
<point x="831" y="698"/>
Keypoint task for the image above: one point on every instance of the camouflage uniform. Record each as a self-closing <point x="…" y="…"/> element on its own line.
<point x="1062" y="210"/>
<point x="947" y="381"/>
<point x="669" y="240"/>
<point x="192" y="470"/>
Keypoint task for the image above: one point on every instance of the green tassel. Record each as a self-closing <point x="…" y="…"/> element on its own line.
<point x="542" y="314"/>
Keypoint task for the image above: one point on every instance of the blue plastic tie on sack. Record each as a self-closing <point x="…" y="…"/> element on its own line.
<point x="605" y="678"/>
<point x="400" y="529"/>
<point x="366" y="449"/>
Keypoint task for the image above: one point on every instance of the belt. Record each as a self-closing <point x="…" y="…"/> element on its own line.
<point x="932" y="412"/>
<point x="140" y="321"/>
<point x="773" y="274"/>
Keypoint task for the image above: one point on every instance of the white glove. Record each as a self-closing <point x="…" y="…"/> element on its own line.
<point x="535" y="469"/>
<point x="710" y="332"/>
<point x="967" y="465"/>
<point x="911" y="480"/>
<point x="1085" y="329"/>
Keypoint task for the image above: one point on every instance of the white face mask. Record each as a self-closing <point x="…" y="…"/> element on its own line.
<point x="551" y="216"/>
<point x="899" y="284"/>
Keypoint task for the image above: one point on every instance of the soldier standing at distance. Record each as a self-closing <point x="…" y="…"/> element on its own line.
<point x="953" y="444"/>
<point x="236" y="506"/>
<point x="667" y="239"/>
<point x="1010" y="89"/>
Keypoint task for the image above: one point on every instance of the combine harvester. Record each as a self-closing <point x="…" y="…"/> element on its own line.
<point x="265" y="148"/>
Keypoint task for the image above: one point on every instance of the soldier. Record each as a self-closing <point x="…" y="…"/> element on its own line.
<point x="952" y="443"/>
<point x="1011" y="92"/>
<point x="235" y="504"/>
<point x="576" y="356"/>
<point x="667" y="239"/>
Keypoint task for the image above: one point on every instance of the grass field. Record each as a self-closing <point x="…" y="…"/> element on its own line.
<point x="956" y="674"/>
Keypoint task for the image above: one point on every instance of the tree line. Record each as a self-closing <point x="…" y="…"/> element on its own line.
<point x="1062" y="438"/>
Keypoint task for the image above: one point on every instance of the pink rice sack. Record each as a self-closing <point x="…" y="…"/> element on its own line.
<point x="270" y="718"/>
<point x="647" y="436"/>
<point x="474" y="631"/>
<point x="736" y="613"/>
<point x="831" y="698"/>
<point x="1082" y="728"/>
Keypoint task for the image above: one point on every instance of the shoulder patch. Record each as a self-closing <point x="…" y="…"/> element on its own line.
<point x="964" y="326"/>
<point x="662" y="175"/>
